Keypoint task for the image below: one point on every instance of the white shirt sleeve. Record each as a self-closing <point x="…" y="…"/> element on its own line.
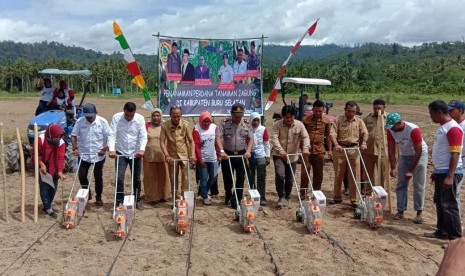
<point x="112" y="133"/>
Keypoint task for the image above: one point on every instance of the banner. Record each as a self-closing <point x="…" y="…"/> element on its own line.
<point x="206" y="74"/>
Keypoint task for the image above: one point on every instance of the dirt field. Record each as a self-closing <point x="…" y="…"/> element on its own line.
<point x="219" y="246"/>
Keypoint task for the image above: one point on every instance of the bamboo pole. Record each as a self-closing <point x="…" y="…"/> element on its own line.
<point x="2" y="156"/>
<point x="23" y="177"/>
<point x="386" y="165"/>
<point x="36" y="173"/>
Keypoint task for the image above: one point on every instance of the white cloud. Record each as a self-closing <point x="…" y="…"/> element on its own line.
<point x="87" y="23"/>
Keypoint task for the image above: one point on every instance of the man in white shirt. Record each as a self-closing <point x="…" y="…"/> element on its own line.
<point x="225" y="74"/>
<point x="89" y="139"/>
<point x="240" y="66"/>
<point x="128" y="138"/>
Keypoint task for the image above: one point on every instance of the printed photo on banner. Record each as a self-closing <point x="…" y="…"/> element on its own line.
<point x="199" y="75"/>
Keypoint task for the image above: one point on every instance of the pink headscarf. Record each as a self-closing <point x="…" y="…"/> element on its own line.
<point x="205" y="115"/>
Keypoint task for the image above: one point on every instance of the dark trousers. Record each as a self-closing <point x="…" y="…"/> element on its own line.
<point x="283" y="176"/>
<point x="315" y="161"/>
<point x="258" y="169"/>
<point x="98" y="176"/>
<point x="42" y="107"/>
<point x="123" y="163"/>
<point x="47" y="192"/>
<point x="238" y="167"/>
<point x="447" y="208"/>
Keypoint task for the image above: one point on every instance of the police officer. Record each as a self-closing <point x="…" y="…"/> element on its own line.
<point x="234" y="138"/>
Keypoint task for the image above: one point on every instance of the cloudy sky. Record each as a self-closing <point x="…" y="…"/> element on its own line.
<point x="88" y="23"/>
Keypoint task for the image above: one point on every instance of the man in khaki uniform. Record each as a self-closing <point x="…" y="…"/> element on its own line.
<point x="234" y="138"/>
<point x="375" y="154"/>
<point x="318" y="126"/>
<point x="177" y="143"/>
<point x="287" y="137"/>
<point x="348" y="131"/>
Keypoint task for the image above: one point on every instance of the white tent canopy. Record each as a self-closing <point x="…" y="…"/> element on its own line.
<point x="307" y="81"/>
<point x="65" y="72"/>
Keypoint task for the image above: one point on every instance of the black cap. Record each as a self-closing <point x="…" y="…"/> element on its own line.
<point x="89" y="110"/>
<point x="237" y="108"/>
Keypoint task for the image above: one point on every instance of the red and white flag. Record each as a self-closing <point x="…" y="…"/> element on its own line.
<point x="277" y="84"/>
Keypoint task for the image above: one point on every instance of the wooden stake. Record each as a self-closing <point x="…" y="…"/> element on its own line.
<point x="2" y="156"/>
<point x="23" y="177"/>
<point x="386" y="169"/>
<point x="36" y="173"/>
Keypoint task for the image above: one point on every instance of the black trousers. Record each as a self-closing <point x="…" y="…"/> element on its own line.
<point x="123" y="163"/>
<point x="238" y="168"/>
<point x="98" y="176"/>
<point x="447" y="208"/>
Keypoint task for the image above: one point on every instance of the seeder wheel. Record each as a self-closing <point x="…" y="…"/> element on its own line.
<point x="299" y="216"/>
<point x="236" y="216"/>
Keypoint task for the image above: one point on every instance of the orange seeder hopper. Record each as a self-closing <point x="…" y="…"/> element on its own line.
<point x="120" y="222"/>
<point x="247" y="215"/>
<point x="71" y="218"/>
<point x="181" y="216"/>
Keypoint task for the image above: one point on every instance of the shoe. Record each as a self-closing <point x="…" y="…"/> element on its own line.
<point x="207" y="201"/>
<point x="139" y="206"/>
<point x="281" y="201"/>
<point x="346" y="192"/>
<point x="398" y="216"/>
<point x="354" y="205"/>
<point x="335" y="201"/>
<point x="285" y="202"/>
<point x="99" y="202"/>
<point x="418" y="220"/>
<point x="435" y="235"/>
<point x="53" y="214"/>
<point x="262" y="202"/>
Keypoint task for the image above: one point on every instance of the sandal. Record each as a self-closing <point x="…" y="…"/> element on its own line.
<point x="398" y="216"/>
<point x="418" y="220"/>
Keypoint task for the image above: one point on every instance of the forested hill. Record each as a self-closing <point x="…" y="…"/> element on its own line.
<point x="42" y="52"/>
<point x="370" y="67"/>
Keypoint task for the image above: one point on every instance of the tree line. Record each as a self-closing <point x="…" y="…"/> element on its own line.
<point x="369" y="68"/>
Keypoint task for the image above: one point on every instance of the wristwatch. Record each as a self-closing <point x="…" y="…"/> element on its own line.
<point x="221" y="151"/>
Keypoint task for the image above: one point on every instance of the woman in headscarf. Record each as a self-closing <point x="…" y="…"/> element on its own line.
<point x="52" y="149"/>
<point x="156" y="178"/>
<point x="205" y="153"/>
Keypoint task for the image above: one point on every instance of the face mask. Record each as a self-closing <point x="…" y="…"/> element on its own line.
<point x="55" y="143"/>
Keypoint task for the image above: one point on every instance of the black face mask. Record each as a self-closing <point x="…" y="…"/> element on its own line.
<point x="55" y="143"/>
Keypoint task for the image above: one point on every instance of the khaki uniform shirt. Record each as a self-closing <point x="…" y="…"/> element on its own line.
<point x="349" y="132"/>
<point x="317" y="131"/>
<point x="178" y="138"/>
<point x="289" y="139"/>
<point x="375" y="144"/>
<point x="235" y="137"/>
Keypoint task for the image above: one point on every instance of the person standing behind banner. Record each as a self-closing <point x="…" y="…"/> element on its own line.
<point x="448" y="172"/>
<point x="225" y="74"/>
<point x="46" y="95"/>
<point x="128" y="137"/>
<point x="287" y="136"/>
<point x="318" y="126"/>
<point x="234" y="138"/>
<point x="90" y="138"/>
<point x="156" y="176"/>
<point x="205" y="152"/>
<point x="176" y="142"/>
<point x="413" y="163"/>
<point x="174" y="60"/>
<point x="51" y="149"/>
<point x="260" y="156"/>
<point x="376" y="146"/>
<point x="202" y="71"/>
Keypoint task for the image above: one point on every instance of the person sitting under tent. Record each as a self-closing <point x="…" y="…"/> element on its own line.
<point x="69" y="93"/>
<point x="61" y="102"/>
<point x="46" y="95"/>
